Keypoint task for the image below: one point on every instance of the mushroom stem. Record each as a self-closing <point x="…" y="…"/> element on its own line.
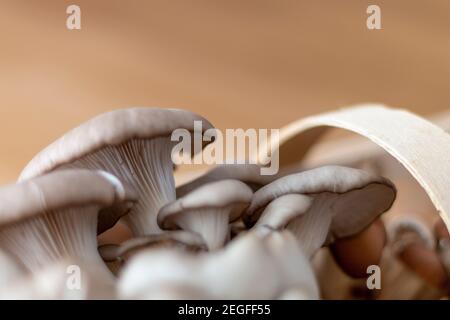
<point x="312" y="228"/>
<point x="211" y="223"/>
<point x="283" y="209"/>
<point x="147" y="166"/>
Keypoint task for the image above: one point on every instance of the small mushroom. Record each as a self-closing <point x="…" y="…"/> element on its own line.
<point x="133" y="144"/>
<point x="150" y="270"/>
<point x="116" y="255"/>
<point x="261" y="264"/>
<point x="414" y="245"/>
<point x="208" y="210"/>
<point x="322" y="205"/>
<point x="54" y="217"/>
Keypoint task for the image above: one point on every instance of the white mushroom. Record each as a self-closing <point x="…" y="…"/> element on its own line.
<point x="405" y="231"/>
<point x="261" y="264"/>
<point x="208" y="210"/>
<point x="133" y="144"/>
<point x="54" y="217"/>
<point x="116" y="256"/>
<point x="150" y="270"/>
<point x="321" y="205"/>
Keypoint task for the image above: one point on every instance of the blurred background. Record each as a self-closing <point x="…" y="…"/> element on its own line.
<point x="247" y="63"/>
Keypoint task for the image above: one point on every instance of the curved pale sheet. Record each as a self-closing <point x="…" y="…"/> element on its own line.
<point x="420" y="146"/>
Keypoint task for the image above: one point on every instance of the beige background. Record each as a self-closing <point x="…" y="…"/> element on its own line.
<point x="247" y="63"/>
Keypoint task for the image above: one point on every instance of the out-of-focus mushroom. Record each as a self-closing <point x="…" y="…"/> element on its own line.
<point x="354" y="254"/>
<point x="322" y="205"/>
<point x="240" y="271"/>
<point x="53" y="282"/>
<point x="208" y="210"/>
<point x="414" y="245"/>
<point x="151" y="270"/>
<point x="440" y="230"/>
<point x="250" y="174"/>
<point x="54" y="217"/>
<point x="297" y="276"/>
<point x="443" y="238"/>
<point x="9" y="269"/>
<point x="175" y="291"/>
<point x="133" y="144"/>
<point x="116" y="255"/>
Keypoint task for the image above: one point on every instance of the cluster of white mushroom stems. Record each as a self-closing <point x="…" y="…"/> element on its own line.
<point x="97" y="215"/>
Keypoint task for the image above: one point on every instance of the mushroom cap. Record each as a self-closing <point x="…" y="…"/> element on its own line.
<point x="407" y="230"/>
<point x="220" y="194"/>
<point x="250" y="174"/>
<point x="354" y="254"/>
<point x="109" y="129"/>
<point x="361" y="196"/>
<point x="149" y="270"/>
<point x="57" y="191"/>
<point x="111" y="253"/>
<point x="173" y="291"/>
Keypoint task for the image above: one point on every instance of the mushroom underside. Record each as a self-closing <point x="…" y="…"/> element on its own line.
<point x="146" y="165"/>
<point x="55" y="235"/>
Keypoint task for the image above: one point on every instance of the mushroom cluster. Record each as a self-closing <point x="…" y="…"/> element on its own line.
<point x="232" y="233"/>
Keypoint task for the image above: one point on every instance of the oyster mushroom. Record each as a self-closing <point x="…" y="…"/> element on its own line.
<point x="133" y="144"/>
<point x="261" y="264"/>
<point x="413" y="244"/>
<point x="208" y="210"/>
<point x="355" y="253"/>
<point x="53" y="217"/>
<point x="322" y="204"/>
<point x="116" y="255"/>
<point x="151" y="270"/>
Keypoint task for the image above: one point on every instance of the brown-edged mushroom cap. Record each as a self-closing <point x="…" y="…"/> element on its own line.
<point x="405" y="231"/>
<point x="414" y="245"/>
<point x="344" y="202"/>
<point x="208" y="210"/>
<point x="54" y="216"/>
<point x="250" y="174"/>
<point x="356" y="253"/>
<point x="133" y="144"/>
